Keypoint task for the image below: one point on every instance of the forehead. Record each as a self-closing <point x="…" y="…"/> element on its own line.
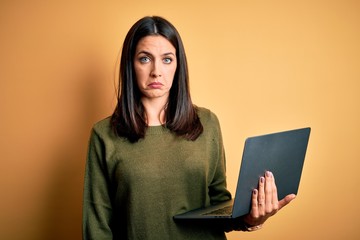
<point x="156" y="44"/>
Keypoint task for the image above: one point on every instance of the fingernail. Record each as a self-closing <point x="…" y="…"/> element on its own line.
<point x="262" y="179"/>
<point x="268" y="174"/>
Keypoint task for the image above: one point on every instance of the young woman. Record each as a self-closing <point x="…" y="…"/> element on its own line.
<point x="159" y="155"/>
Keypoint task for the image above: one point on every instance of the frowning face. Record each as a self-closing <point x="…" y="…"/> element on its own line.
<point x="155" y="66"/>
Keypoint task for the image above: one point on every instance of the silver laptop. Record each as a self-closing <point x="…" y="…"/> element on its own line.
<point x="282" y="153"/>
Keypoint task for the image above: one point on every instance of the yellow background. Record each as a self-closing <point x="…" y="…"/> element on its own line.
<point x="261" y="66"/>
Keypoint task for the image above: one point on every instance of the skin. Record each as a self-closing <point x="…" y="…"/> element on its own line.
<point x="265" y="202"/>
<point x="155" y="65"/>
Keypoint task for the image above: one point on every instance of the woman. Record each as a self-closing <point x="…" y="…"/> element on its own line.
<point x="158" y="155"/>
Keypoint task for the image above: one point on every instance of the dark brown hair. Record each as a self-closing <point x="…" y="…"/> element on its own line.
<point x="128" y="119"/>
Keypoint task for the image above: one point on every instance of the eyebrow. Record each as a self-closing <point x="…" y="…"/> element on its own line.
<point x="148" y="53"/>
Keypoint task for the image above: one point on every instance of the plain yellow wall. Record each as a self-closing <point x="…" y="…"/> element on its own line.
<point x="261" y="66"/>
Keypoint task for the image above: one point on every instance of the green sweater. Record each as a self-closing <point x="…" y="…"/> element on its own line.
<point x="133" y="190"/>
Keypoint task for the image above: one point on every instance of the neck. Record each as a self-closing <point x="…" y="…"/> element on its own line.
<point x="155" y="111"/>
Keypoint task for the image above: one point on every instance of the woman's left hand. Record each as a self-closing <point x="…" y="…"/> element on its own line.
<point x="265" y="203"/>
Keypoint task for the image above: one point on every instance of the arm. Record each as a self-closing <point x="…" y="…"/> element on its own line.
<point x="97" y="208"/>
<point x="264" y="199"/>
<point x="217" y="188"/>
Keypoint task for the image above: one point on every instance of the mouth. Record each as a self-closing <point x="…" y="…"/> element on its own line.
<point x="155" y="85"/>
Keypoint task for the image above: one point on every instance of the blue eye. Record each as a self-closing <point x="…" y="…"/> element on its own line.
<point x="167" y="60"/>
<point x="144" y="59"/>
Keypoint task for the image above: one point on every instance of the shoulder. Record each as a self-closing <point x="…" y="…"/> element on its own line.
<point x="211" y="125"/>
<point x="207" y="116"/>
<point x="103" y="129"/>
<point x="102" y="125"/>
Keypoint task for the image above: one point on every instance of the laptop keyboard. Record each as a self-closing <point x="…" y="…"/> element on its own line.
<point x="225" y="211"/>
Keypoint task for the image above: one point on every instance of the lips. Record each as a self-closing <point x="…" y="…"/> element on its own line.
<point x="155" y="85"/>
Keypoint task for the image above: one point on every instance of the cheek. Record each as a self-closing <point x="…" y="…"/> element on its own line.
<point x="140" y="75"/>
<point x="171" y="73"/>
<point x="170" y="78"/>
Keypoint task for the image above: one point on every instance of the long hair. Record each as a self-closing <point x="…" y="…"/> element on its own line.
<point x="128" y="119"/>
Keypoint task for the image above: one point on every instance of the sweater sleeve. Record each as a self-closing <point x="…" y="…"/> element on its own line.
<point x="218" y="189"/>
<point x="97" y="207"/>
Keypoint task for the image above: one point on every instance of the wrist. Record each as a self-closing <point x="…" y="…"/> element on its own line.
<point x="251" y="228"/>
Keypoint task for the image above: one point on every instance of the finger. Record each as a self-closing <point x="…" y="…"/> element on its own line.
<point x="268" y="192"/>
<point x="274" y="200"/>
<point x="286" y="200"/>
<point x="254" y="204"/>
<point x="261" y="196"/>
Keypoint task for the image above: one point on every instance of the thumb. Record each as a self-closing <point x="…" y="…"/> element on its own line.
<point x="286" y="200"/>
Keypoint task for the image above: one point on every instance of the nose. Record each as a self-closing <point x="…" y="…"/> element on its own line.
<point x="156" y="70"/>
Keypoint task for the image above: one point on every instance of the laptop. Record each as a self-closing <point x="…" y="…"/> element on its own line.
<point x="282" y="153"/>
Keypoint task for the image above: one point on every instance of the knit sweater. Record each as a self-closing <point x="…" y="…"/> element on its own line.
<point x="133" y="190"/>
